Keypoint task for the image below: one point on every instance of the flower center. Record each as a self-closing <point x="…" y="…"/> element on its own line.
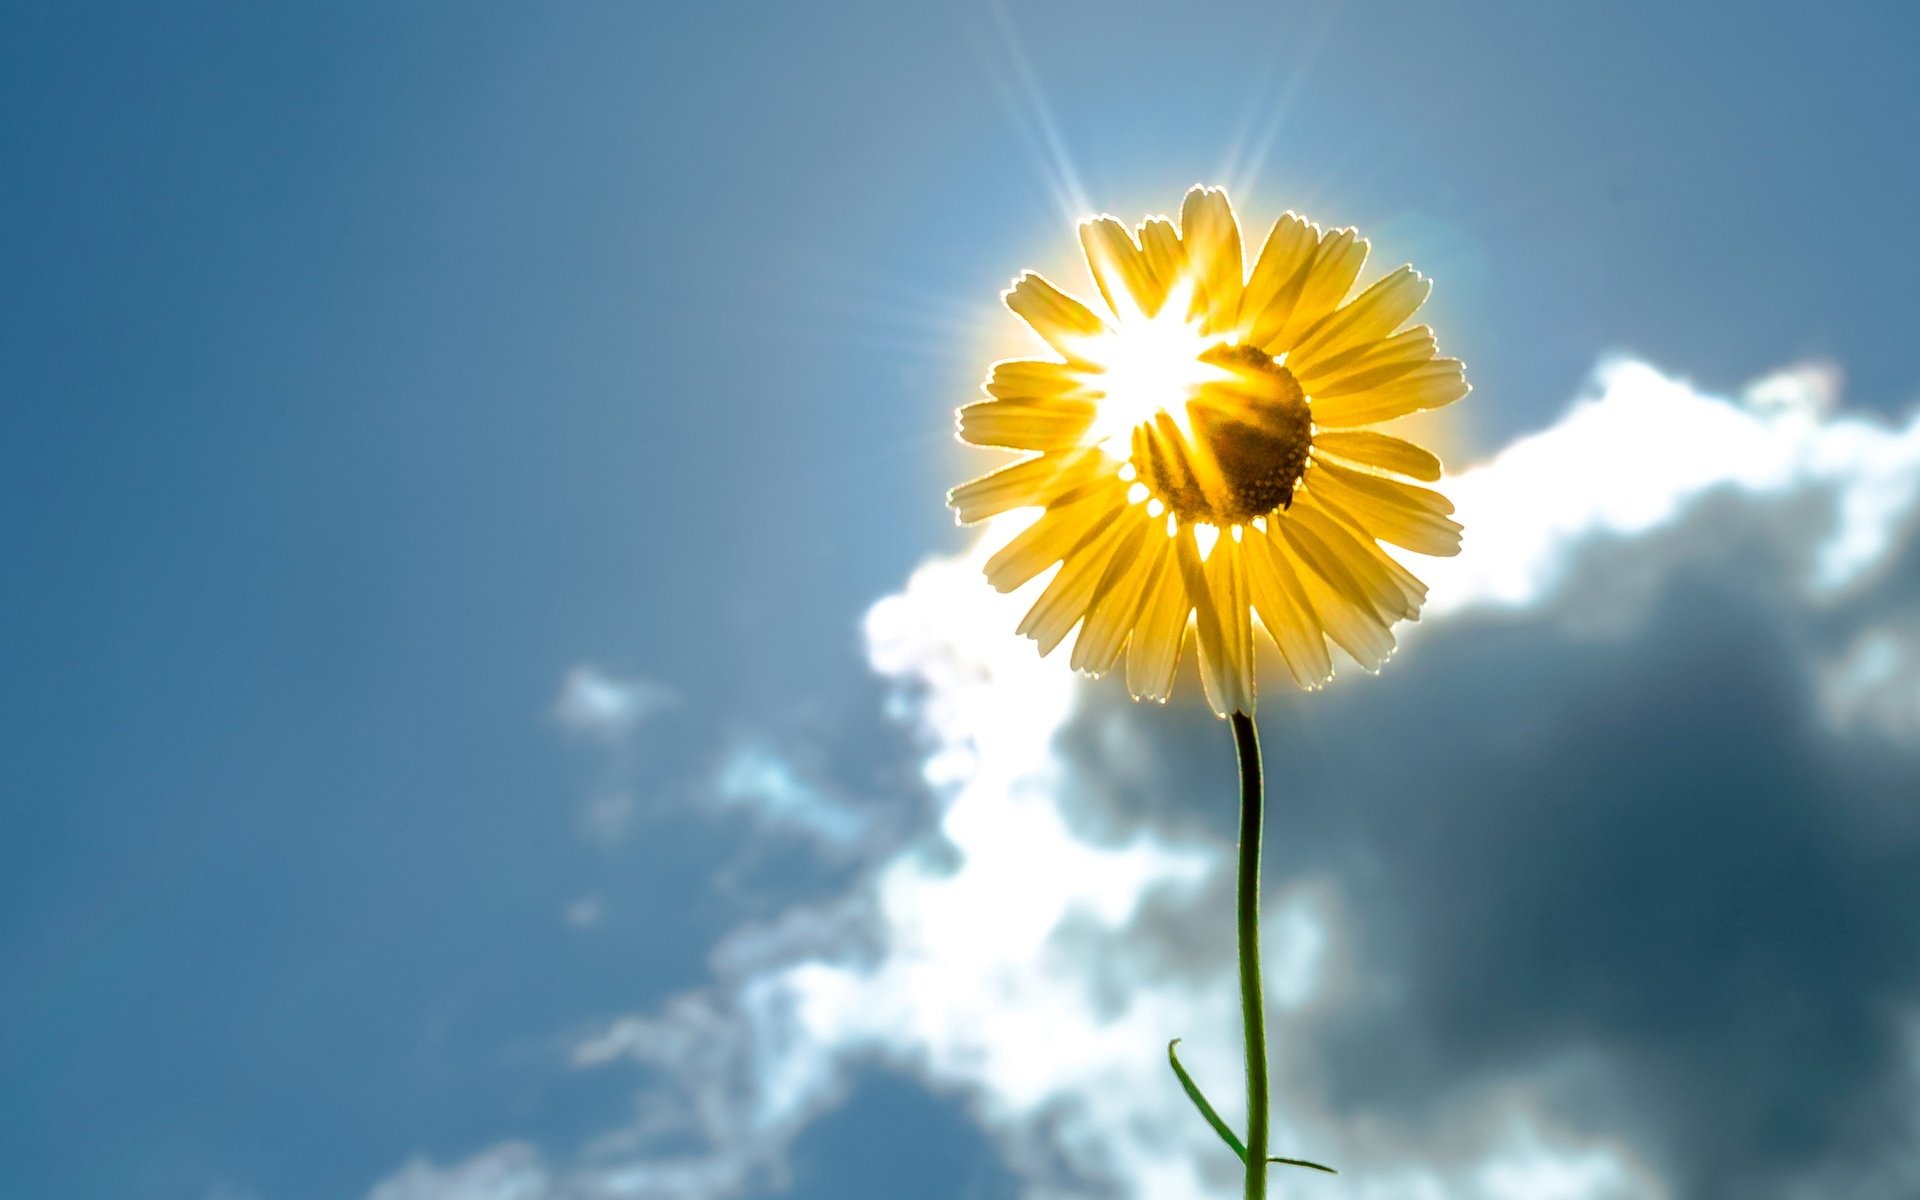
<point x="1241" y="449"/>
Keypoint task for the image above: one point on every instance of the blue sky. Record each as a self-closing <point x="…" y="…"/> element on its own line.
<point x="447" y="462"/>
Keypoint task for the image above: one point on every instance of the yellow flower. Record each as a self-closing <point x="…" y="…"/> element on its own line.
<point x="1199" y="456"/>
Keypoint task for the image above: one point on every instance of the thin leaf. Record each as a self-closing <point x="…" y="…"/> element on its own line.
<point x="1200" y="1102"/>
<point x="1301" y="1162"/>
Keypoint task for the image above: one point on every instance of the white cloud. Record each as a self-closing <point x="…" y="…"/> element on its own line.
<point x="1875" y="683"/>
<point x="608" y="815"/>
<point x="1629" y="457"/>
<point x="999" y="965"/>
<point x="512" y="1171"/>
<point x="758" y="781"/>
<point x="607" y="711"/>
<point x="585" y="912"/>
<point x="594" y="703"/>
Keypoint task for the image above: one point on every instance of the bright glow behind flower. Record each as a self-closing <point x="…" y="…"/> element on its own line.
<point x="1215" y="400"/>
<point x="1147" y="364"/>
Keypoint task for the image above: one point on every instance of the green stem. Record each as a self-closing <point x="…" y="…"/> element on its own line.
<point x="1246" y="740"/>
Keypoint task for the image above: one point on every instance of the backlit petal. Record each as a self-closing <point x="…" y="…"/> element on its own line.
<point x="1212" y="240"/>
<point x="1377" y="450"/>
<point x="1063" y="322"/>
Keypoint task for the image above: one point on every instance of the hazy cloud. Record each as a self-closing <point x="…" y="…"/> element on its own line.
<point x="585" y="912"/>
<point x="512" y="1171"/>
<point x="607" y="711"/>
<point x="1875" y="682"/>
<point x="600" y="705"/>
<point x="766" y="785"/>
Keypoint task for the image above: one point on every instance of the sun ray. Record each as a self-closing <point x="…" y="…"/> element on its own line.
<point x="1247" y="158"/>
<point x="1033" y="117"/>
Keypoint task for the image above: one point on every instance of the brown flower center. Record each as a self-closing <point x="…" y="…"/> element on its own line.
<point x="1241" y="449"/>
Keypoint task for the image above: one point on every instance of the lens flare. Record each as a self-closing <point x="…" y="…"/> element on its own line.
<point x="1145" y="365"/>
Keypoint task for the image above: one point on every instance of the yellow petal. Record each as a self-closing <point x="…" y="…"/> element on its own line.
<point x="1047" y="479"/>
<point x="1132" y="572"/>
<point x="1154" y="651"/>
<point x="1215" y="663"/>
<point x="1286" y="613"/>
<point x="1377" y="450"/>
<point x="1320" y="561"/>
<point x="1407" y="495"/>
<point x="1119" y="268"/>
<point x="1386" y="509"/>
<point x="1037" y="378"/>
<point x="1339" y="602"/>
<point x="1373" y="315"/>
<point x="1336" y="264"/>
<point x="1278" y="275"/>
<point x="1166" y="259"/>
<point x="1026" y="423"/>
<point x="1334" y="555"/>
<point x="1070" y="593"/>
<point x="1352" y="625"/>
<point x="1062" y="321"/>
<point x="1059" y="533"/>
<point x="1222" y="621"/>
<point x="1366" y="366"/>
<point x="1212" y="240"/>
<point x="1403" y="591"/>
<point x="1439" y="382"/>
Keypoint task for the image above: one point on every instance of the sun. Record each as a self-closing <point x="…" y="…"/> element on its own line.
<point x="1144" y="365"/>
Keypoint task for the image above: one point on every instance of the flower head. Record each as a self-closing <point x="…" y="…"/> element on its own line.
<point x="1199" y="456"/>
